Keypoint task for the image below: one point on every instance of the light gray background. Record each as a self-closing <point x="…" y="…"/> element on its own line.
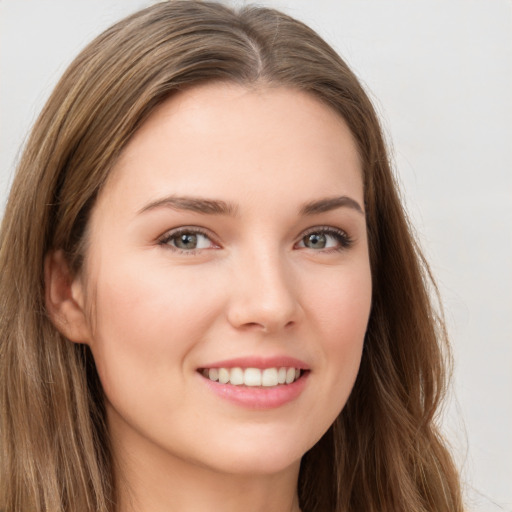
<point x="440" y="74"/>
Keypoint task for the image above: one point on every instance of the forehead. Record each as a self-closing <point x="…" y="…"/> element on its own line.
<point x="224" y="138"/>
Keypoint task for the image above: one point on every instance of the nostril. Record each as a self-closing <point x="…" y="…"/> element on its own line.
<point x="264" y="327"/>
<point x="254" y="326"/>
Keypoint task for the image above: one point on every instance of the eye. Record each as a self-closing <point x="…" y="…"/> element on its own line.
<point x="325" y="238"/>
<point x="187" y="240"/>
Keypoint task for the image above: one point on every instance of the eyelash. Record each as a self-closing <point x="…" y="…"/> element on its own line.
<point x="167" y="237"/>
<point x="344" y="240"/>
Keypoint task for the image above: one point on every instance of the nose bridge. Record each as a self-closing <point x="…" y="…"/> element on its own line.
<point x="264" y="294"/>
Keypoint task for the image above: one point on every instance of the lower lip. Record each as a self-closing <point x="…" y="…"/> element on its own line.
<point x="259" y="397"/>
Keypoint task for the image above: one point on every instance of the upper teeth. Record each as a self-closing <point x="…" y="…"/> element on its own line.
<point x="253" y="376"/>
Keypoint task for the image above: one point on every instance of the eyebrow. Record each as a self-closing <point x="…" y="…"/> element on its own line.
<point x="330" y="203"/>
<point x="219" y="207"/>
<point x="194" y="204"/>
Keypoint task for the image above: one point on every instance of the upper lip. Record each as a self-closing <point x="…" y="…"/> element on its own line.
<point x="259" y="362"/>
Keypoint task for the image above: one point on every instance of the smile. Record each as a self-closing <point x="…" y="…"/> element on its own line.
<point x="253" y="377"/>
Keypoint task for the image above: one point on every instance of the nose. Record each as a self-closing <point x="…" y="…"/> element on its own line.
<point x="264" y="295"/>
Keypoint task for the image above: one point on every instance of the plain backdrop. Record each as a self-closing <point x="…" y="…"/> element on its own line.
<point x="440" y="75"/>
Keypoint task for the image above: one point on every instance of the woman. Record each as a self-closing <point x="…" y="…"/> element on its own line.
<point x="210" y="294"/>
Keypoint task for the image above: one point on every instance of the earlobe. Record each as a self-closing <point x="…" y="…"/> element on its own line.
<point x="64" y="299"/>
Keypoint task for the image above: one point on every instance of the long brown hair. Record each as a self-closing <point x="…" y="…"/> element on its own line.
<point x="384" y="452"/>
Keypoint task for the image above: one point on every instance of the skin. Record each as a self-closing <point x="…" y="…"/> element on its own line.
<point x="153" y="315"/>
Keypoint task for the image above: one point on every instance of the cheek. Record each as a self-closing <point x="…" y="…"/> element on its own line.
<point x="337" y="308"/>
<point x="146" y="322"/>
<point x="341" y="309"/>
<point x="341" y="305"/>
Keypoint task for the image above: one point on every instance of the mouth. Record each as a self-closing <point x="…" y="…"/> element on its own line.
<point x="254" y="377"/>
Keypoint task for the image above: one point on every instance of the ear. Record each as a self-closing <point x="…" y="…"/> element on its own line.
<point x="64" y="296"/>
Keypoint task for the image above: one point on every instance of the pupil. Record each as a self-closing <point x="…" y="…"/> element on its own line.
<point x="186" y="241"/>
<point x="316" y="240"/>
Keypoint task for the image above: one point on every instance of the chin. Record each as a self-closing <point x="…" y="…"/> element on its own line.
<point x="264" y="463"/>
<point x="266" y="456"/>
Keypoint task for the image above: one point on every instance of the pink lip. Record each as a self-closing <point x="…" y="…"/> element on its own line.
<point x="260" y="362"/>
<point x="258" y="397"/>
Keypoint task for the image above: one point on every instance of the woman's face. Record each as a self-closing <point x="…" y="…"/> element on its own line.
<point x="229" y="243"/>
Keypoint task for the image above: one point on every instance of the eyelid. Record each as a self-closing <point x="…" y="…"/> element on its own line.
<point x="344" y="239"/>
<point x="171" y="233"/>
